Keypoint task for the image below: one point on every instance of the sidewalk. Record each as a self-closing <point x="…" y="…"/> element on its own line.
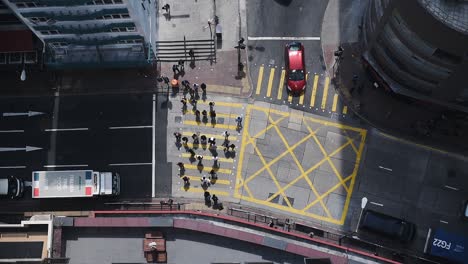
<point x="388" y="112"/>
<point x="190" y="21"/>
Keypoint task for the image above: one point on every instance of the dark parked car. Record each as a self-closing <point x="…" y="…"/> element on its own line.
<point x="386" y="225"/>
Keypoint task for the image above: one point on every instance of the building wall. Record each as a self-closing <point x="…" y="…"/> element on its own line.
<point x="84" y="33"/>
<point x="416" y="53"/>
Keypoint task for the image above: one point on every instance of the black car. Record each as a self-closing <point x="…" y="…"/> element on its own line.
<point x="388" y="226"/>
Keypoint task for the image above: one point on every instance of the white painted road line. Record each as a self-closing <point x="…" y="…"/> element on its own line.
<point x="129" y="164"/>
<point x="383" y="168"/>
<point x="66" y="129"/>
<point x="153" y="153"/>
<point x="13" y="167"/>
<point x="451" y="188"/>
<point x="65" y="166"/>
<point x="11" y="131"/>
<point x="443" y="222"/>
<point x="130" y="127"/>
<point x="378" y="204"/>
<point x="283" y="38"/>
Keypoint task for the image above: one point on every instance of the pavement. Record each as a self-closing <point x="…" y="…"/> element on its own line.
<point x="415" y="121"/>
<point x="189" y="20"/>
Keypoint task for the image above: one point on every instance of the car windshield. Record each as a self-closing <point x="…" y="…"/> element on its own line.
<point x="294" y="47"/>
<point x="296" y="75"/>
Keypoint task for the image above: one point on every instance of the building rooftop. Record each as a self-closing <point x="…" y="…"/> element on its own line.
<point x="452" y="13"/>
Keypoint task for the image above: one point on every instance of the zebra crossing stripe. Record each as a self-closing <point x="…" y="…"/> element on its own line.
<point x="314" y="90"/>
<point x="259" y="80"/>
<point x="325" y="93"/>
<point x="270" y="81"/>
<point x="281" y="85"/>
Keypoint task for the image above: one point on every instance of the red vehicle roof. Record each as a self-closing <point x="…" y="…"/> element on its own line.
<point x="295" y="60"/>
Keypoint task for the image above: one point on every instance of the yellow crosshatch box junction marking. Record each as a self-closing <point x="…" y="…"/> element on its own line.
<point x="339" y="152"/>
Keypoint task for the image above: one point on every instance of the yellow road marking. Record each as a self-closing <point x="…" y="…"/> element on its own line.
<point x="270" y="82"/>
<point x="231" y="115"/>
<point x="235" y="105"/>
<point x="218" y="181"/>
<point x="298" y="164"/>
<point x="259" y="80"/>
<point x="187" y="155"/>
<point x="189" y="134"/>
<point x="345" y="110"/>
<point x="195" y="123"/>
<point x="301" y="97"/>
<point x="314" y="91"/>
<point x="241" y="180"/>
<point x="325" y="92"/>
<point x="190" y="145"/>
<point x="290" y="97"/>
<point x="335" y="102"/>
<point x="201" y="190"/>
<point x="207" y="168"/>
<point x="281" y="85"/>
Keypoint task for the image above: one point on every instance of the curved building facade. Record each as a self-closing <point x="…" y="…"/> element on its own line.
<point x="419" y="48"/>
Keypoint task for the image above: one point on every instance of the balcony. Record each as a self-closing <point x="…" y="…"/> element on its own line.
<point x="79" y="15"/>
<point x="85" y="29"/>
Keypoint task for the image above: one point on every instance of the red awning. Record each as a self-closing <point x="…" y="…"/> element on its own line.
<point x="16" y="41"/>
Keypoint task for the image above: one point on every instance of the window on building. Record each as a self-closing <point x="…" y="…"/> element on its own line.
<point x="131" y="29"/>
<point x="58" y="44"/>
<point x="108" y="2"/>
<point x="30" y="57"/>
<point x="125" y="15"/>
<point x="3" y="57"/>
<point x="16" y="58"/>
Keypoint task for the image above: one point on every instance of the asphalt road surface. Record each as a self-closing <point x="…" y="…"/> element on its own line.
<point x="273" y="24"/>
<point x="102" y="133"/>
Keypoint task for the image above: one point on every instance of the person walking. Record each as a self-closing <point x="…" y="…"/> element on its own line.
<point x="181" y="166"/>
<point x="205" y="114"/>
<point x="226" y="135"/>
<point x="212" y="140"/>
<point x="195" y="88"/>
<point x="215" y="161"/>
<point x="184" y="102"/>
<point x="215" y="200"/>
<point x="205" y="182"/>
<point x="175" y="69"/>
<point x="203" y="139"/>
<point x="200" y="159"/>
<point x="166" y="8"/>
<point x="203" y="87"/>
<point x="232" y="146"/>
<point x="186" y="180"/>
<point x="213" y="174"/>
<point x="197" y="114"/>
<point x="186" y="85"/>
<point x="239" y="121"/>
<point x="181" y="65"/>
<point x="211" y="104"/>
<point x="185" y="140"/>
<point x="177" y="136"/>
<point x="213" y="114"/>
<point x="192" y="153"/>
<point x="191" y="53"/>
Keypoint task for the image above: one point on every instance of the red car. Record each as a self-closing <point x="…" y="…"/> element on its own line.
<point x="295" y="67"/>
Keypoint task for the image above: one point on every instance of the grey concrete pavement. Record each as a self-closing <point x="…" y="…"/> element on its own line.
<point x="190" y="20"/>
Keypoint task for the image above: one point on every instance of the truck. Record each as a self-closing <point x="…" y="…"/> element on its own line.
<point x="11" y="187"/>
<point x="74" y="183"/>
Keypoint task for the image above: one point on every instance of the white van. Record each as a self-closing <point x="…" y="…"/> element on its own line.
<point x="11" y="187"/>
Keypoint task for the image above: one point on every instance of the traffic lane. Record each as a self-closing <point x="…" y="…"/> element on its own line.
<point x="23" y="106"/>
<point x="135" y="181"/>
<point x="105" y="111"/>
<point x="272" y="52"/>
<point x="301" y="18"/>
<point x="126" y="146"/>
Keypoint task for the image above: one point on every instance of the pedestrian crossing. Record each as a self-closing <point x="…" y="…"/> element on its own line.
<point x="319" y="97"/>
<point x="226" y="161"/>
